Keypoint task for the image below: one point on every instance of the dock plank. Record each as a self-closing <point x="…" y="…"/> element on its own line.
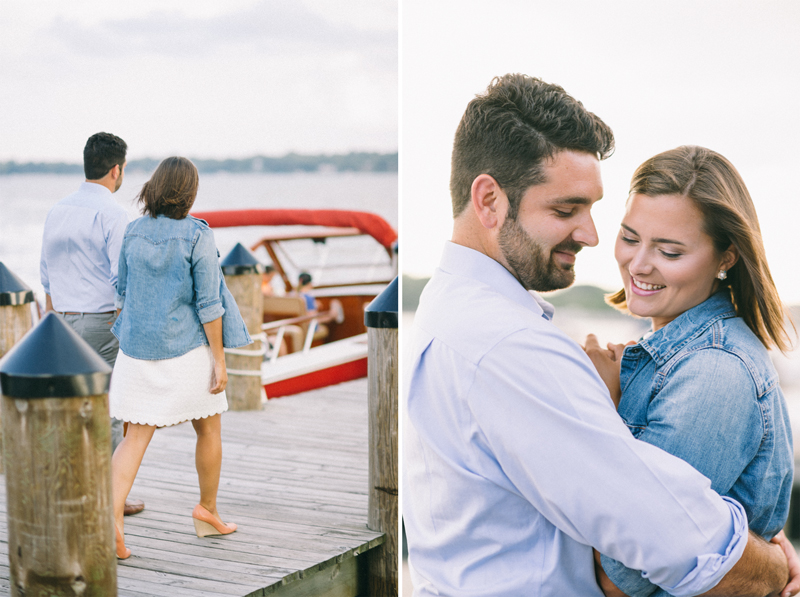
<point x="294" y="478"/>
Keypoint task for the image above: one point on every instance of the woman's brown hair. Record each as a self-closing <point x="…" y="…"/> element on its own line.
<point x="171" y="190"/>
<point x="729" y="218"/>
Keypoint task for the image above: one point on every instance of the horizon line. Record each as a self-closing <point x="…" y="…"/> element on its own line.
<point x="217" y="159"/>
<point x="360" y="161"/>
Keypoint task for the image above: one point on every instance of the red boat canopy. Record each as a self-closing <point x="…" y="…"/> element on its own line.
<point x="366" y="222"/>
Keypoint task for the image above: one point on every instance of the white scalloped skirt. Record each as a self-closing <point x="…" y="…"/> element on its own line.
<point x="164" y="392"/>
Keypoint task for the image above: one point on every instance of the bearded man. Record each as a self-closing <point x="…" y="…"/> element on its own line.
<point x="516" y="464"/>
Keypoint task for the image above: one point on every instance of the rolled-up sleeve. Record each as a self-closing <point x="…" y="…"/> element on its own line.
<point x="206" y="277"/>
<point x="562" y="446"/>
<point x="677" y="421"/>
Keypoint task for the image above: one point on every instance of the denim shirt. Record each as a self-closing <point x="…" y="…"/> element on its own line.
<point x="704" y="389"/>
<point x="170" y="284"/>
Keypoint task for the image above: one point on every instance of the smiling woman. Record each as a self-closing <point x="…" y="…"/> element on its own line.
<point x="701" y="384"/>
<point x="667" y="262"/>
<point x="708" y="206"/>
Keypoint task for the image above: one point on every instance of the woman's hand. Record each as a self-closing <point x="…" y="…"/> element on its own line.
<point x="219" y="379"/>
<point x="607" y="363"/>
<point x="794" y="565"/>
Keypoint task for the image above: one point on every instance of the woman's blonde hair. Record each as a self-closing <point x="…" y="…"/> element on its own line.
<point x="729" y="218"/>
<point x="171" y="190"/>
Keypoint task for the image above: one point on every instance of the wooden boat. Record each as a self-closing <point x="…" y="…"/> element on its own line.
<point x="328" y="345"/>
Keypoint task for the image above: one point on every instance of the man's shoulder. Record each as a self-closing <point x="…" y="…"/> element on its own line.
<point x="472" y="318"/>
<point x="91" y="202"/>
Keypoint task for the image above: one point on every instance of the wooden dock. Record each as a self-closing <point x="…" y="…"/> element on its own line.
<point x="294" y="478"/>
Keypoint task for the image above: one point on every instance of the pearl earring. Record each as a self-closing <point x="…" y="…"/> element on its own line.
<point x="722" y="274"/>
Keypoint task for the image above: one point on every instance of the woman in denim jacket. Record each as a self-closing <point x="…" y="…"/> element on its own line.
<point x="701" y="384"/>
<point x="176" y="315"/>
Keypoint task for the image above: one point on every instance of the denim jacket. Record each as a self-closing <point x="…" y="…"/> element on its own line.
<point x="704" y="389"/>
<point x="170" y="284"/>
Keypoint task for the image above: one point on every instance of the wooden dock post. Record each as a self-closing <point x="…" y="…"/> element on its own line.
<point x="58" y="465"/>
<point x="15" y="309"/>
<point x="380" y="318"/>
<point x="15" y="317"/>
<point x="243" y="277"/>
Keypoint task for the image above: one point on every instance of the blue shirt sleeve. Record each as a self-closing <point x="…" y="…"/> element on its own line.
<point x="114" y="225"/>
<point x="43" y="273"/>
<point x="546" y="428"/>
<point x="206" y="277"/>
<point x="707" y="414"/>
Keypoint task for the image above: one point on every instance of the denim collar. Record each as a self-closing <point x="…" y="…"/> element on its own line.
<point x="664" y="343"/>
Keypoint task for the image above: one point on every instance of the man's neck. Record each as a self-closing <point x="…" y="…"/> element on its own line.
<point x="469" y="233"/>
<point x="109" y="184"/>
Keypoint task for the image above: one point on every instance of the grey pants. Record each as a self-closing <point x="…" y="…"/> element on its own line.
<point x="95" y="328"/>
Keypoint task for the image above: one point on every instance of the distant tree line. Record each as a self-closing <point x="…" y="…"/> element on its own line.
<point x="292" y="162"/>
<point x="586" y="297"/>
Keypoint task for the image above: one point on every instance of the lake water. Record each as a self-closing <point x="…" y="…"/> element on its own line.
<point x="26" y="199"/>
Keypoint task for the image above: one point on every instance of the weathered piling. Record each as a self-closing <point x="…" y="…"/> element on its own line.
<point x="15" y="309"/>
<point x="58" y="465"/>
<point x="381" y="321"/>
<point x="243" y="276"/>
<point x="15" y="317"/>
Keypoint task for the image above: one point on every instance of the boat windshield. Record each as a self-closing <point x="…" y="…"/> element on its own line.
<point x="331" y="260"/>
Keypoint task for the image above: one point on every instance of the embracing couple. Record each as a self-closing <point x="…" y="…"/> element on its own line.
<point x="534" y="466"/>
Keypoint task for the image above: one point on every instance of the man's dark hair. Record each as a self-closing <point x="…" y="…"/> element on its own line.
<point x="510" y="130"/>
<point x="304" y="278"/>
<point x="103" y="151"/>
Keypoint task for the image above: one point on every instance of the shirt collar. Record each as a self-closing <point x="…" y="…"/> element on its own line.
<point x="93" y="187"/>
<point x="664" y="343"/>
<point x="469" y="263"/>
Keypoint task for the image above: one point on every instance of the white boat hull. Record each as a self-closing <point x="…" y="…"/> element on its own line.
<point x="322" y="366"/>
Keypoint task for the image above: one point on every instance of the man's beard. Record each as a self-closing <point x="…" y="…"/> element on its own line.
<point x="529" y="262"/>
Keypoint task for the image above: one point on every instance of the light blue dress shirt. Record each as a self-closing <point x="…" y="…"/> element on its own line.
<point x="516" y="463"/>
<point x="80" y="250"/>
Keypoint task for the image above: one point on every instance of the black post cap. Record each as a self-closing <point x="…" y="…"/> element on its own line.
<point x="13" y="291"/>
<point x="53" y="361"/>
<point x="382" y="311"/>
<point x="240" y="261"/>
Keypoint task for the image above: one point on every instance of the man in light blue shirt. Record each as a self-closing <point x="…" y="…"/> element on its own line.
<point x="80" y="252"/>
<point x="516" y="464"/>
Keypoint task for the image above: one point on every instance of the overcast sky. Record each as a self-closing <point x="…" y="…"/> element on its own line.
<point x="720" y="73"/>
<point x="198" y="77"/>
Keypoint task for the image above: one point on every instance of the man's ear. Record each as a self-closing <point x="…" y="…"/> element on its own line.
<point x="489" y="201"/>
